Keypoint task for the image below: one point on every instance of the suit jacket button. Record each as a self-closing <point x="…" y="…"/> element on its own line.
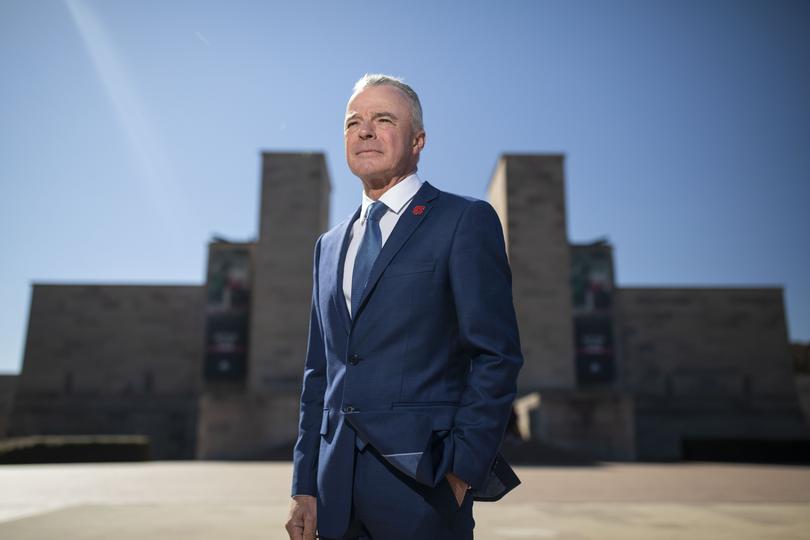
<point x="354" y="359"/>
<point x="349" y="409"/>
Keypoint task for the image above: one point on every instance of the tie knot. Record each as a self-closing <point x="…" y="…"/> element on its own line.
<point x="376" y="211"/>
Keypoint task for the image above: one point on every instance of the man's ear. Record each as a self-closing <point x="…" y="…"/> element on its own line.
<point x="419" y="141"/>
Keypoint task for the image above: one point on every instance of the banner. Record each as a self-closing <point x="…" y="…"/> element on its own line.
<point x="227" y="310"/>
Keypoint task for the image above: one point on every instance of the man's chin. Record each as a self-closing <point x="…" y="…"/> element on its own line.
<point x="367" y="162"/>
<point x="366" y="171"/>
<point x="374" y="181"/>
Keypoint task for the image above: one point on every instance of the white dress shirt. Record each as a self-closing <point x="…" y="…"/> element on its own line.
<point x="396" y="200"/>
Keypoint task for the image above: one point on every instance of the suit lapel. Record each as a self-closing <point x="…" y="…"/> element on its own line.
<point x="337" y="291"/>
<point x="408" y="222"/>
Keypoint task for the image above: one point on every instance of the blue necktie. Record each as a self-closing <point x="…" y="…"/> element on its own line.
<point x="367" y="252"/>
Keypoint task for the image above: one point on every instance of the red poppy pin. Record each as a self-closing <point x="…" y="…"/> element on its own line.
<point x="418" y="210"/>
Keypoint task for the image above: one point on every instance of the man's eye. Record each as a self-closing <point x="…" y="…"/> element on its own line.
<point x="385" y="120"/>
<point x="351" y="124"/>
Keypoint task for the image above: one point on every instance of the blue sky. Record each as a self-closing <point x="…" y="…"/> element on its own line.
<point x="130" y="132"/>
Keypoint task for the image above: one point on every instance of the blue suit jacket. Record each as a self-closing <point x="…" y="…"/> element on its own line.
<point x="425" y="371"/>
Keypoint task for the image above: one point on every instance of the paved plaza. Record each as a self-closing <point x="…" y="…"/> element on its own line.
<point x="222" y="500"/>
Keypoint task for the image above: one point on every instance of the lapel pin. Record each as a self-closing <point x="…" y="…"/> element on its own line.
<point x="418" y="210"/>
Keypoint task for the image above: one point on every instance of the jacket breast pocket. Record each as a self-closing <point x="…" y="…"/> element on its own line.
<point x="407" y="268"/>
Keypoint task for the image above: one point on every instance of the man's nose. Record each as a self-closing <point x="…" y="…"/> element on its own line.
<point x="366" y="131"/>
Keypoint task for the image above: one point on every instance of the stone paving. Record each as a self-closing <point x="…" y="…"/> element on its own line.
<point x="218" y="500"/>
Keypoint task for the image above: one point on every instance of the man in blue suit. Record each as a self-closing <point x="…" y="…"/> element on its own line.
<point x="413" y="350"/>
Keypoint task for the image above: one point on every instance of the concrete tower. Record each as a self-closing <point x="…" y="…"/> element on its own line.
<point x="294" y="212"/>
<point x="528" y="192"/>
<point x="256" y="416"/>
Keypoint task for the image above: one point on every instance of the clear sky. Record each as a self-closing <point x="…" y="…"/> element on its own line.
<point x="131" y="132"/>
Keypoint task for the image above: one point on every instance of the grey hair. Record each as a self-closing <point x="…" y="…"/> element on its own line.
<point x="378" y="79"/>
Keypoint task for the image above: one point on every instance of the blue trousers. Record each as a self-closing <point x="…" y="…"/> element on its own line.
<point x="388" y="505"/>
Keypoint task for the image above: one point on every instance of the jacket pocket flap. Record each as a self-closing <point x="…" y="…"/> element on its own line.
<point x="441" y="415"/>
<point x="409" y="267"/>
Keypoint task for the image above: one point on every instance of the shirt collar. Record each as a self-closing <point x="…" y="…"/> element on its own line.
<point x="396" y="197"/>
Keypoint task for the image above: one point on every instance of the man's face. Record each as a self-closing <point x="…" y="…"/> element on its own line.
<point x="379" y="136"/>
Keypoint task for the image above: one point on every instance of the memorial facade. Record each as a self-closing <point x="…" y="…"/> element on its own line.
<point x="213" y="371"/>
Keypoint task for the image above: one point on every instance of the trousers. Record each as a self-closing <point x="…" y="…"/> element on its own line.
<point x="388" y="505"/>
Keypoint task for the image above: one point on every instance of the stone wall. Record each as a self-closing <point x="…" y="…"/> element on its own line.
<point x="113" y="359"/>
<point x="707" y="363"/>
<point x="239" y="425"/>
<point x="8" y="384"/>
<point x="592" y="423"/>
<point x="801" y="370"/>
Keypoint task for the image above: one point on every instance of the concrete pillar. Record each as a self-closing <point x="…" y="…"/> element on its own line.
<point x="294" y="212"/>
<point x="528" y="192"/>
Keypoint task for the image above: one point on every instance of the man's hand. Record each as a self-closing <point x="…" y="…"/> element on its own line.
<point x="303" y="518"/>
<point x="458" y="486"/>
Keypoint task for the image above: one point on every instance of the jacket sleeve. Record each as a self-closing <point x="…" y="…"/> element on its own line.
<point x="482" y="291"/>
<point x="305" y="453"/>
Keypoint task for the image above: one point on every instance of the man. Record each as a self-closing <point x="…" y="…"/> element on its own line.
<point x="413" y="350"/>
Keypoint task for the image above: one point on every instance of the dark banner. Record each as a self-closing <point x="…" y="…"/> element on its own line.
<point x="594" y="350"/>
<point x="227" y="311"/>
<point x="591" y="280"/>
